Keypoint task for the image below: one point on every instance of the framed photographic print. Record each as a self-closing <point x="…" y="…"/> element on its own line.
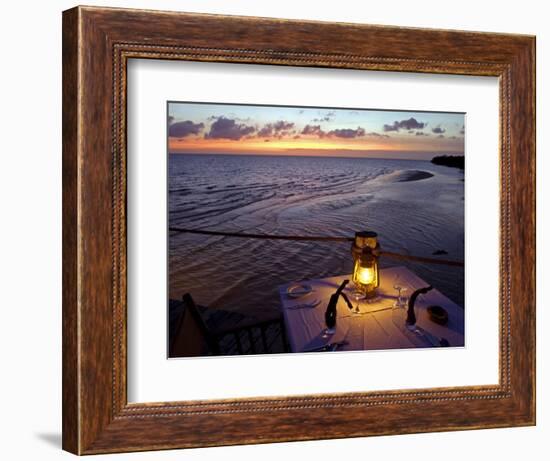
<point x="282" y="230"/>
<point x="297" y="176"/>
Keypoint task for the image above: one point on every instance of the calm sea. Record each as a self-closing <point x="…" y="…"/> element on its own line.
<point x="304" y="196"/>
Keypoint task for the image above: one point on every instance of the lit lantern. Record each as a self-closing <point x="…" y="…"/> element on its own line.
<point x="365" y="251"/>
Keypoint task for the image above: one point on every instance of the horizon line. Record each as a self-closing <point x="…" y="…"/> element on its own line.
<point x="243" y="154"/>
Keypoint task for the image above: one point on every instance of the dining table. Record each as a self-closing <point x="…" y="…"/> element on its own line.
<point x="371" y="324"/>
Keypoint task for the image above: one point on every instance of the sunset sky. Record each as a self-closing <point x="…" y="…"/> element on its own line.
<point x="282" y="130"/>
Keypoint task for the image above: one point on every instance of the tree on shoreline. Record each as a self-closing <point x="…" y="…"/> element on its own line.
<point x="455" y="161"/>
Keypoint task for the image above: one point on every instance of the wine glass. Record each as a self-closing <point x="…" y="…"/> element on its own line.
<point x="399" y="308"/>
<point x="399" y="285"/>
<point x="399" y="315"/>
<point x="358" y="295"/>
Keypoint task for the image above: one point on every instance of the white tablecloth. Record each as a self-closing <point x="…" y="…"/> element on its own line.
<point x="378" y="326"/>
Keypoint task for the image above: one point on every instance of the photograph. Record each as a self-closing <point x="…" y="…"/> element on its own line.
<point x="313" y="229"/>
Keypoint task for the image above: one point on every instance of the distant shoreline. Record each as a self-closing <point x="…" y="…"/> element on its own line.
<point x="453" y="161"/>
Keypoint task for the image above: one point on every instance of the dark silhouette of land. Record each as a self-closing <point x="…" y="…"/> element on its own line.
<point x="455" y="161"/>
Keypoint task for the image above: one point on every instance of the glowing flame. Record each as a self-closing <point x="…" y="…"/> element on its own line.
<point x="364" y="275"/>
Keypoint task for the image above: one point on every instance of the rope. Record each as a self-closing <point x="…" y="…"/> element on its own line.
<point x="263" y="236"/>
<point x="422" y="259"/>
<point x="302" y="238"/>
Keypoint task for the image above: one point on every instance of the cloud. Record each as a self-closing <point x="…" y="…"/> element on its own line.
<point x="347" y="133"/>
<point x="277" y="129"/>
<point x="314" y="130"/>
<point x="282" y="125"/>
<point x="441" y="136"/>
<point x="410" y="124"/>
<point x="378" y="135"/>
<point x="240" y="119"/>
<point x="438" y="130"/>
<point x="266" y="131"/>
<point x="227" y="128"/>
<point x="183" y="129"/>
<point x="325" y="118"/>
<point x="462" y="130"/>
<point x="421" y="133"/>
<point x="230" y="115"/>
<point x="170" y="120"/>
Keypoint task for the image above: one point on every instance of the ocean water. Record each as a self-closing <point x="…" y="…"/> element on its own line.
<point x="304" y="196"/>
